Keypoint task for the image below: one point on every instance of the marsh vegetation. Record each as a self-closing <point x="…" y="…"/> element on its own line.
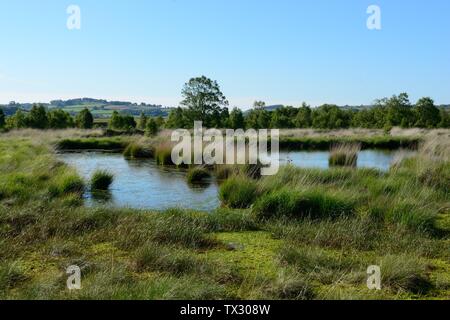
<point x="304" y="233"/>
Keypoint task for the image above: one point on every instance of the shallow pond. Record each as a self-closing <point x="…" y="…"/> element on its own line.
<point x="378" y="159"/>
<point x="145" y="185"/>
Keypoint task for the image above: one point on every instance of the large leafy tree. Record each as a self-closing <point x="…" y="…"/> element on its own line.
<point x="204" y="100"/>
<point x="142" y="121"/>
<point x="122" y="122"/>
<point x="151" y="128"/>
<point x="37" y="118"/>
<point x="330" y="117"/>
<point x="177" y="119"/>
<point x="303" y="117"/>
<point x="444" y="116"/>
<point x="59" y="119"/>
<point x="84" y="119"/>
<point x="283" y="117"/>
<point x="426" y="113"/>
<point x="258" y="119"/>
<point x="399" y="111"/>
<point x="259" y="105"/>
<point x="237" y="119"/>
<point x="17" y="121"/>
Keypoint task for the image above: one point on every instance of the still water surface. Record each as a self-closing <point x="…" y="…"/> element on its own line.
<point x="144" y="185"/>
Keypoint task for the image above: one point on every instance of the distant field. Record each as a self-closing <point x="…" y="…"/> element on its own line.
<point x="105" y="111"/>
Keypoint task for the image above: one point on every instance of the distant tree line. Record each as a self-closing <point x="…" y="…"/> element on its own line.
<point x="204" y="101"/>
<point x="39" y="117"/>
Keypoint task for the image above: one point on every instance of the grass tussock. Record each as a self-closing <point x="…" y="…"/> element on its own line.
<point x="101" y="180"/>
<point x="297" y="204"/>
<point x="238" y="192"/>
<point x="163" y="154"/>
<point x="67" y="183"/>
<point x="177" y="262"/>
<point x="344" y="155"/>
<point x="138" y="151"/>
<point x="197" y="175"/>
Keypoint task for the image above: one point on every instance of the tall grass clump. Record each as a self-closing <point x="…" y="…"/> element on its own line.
<point x="197" y="175"/>
<point x="238" y="192"/>
<point x="152" y="257"/>
<point x="223" y="172"/>
<point x="11" y="274"/>
<point x="68" y="183"/>
<point x="411" y="215"/>
<point x="138" y="151"/>
<point x="297" y="204"/>
<point x="404" y="272"/>
<point x="293" y="286"/>
<point x="344" y="155"/>
<point x="230" y="220"/>
<point x="163" y="155"/>
<point x="101" y="180"/>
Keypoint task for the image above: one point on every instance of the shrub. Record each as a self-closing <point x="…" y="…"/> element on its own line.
<point x="101" y="180"/>
<point x="151" y="128"/>
<point x="197" y="175"/>
<point x="238" y="192"/>
<point x="292" y="203"/>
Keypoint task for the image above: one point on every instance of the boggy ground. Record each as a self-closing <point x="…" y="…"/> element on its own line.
<point x="302" y="234"/>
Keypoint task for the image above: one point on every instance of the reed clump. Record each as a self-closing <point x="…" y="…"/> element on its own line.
<point x="198" y="175"/>
<point x="345" y="155"/>
<point x="101" y="180"/>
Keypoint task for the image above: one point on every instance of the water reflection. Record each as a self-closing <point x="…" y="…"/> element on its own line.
<point x="378" y="159"/>
<point x="143" y="184"/>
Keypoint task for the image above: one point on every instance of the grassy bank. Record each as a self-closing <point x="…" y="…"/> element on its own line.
<point x="302" y="234"/>
<point x="116" y="144"/>
<point x="325" y="143"/>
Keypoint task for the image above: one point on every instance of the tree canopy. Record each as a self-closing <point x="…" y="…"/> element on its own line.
<point x="84" y="119"/>
<point x="204" y="100"/>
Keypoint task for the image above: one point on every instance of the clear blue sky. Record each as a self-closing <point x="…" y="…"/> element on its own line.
<point x="284" y="51"/>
